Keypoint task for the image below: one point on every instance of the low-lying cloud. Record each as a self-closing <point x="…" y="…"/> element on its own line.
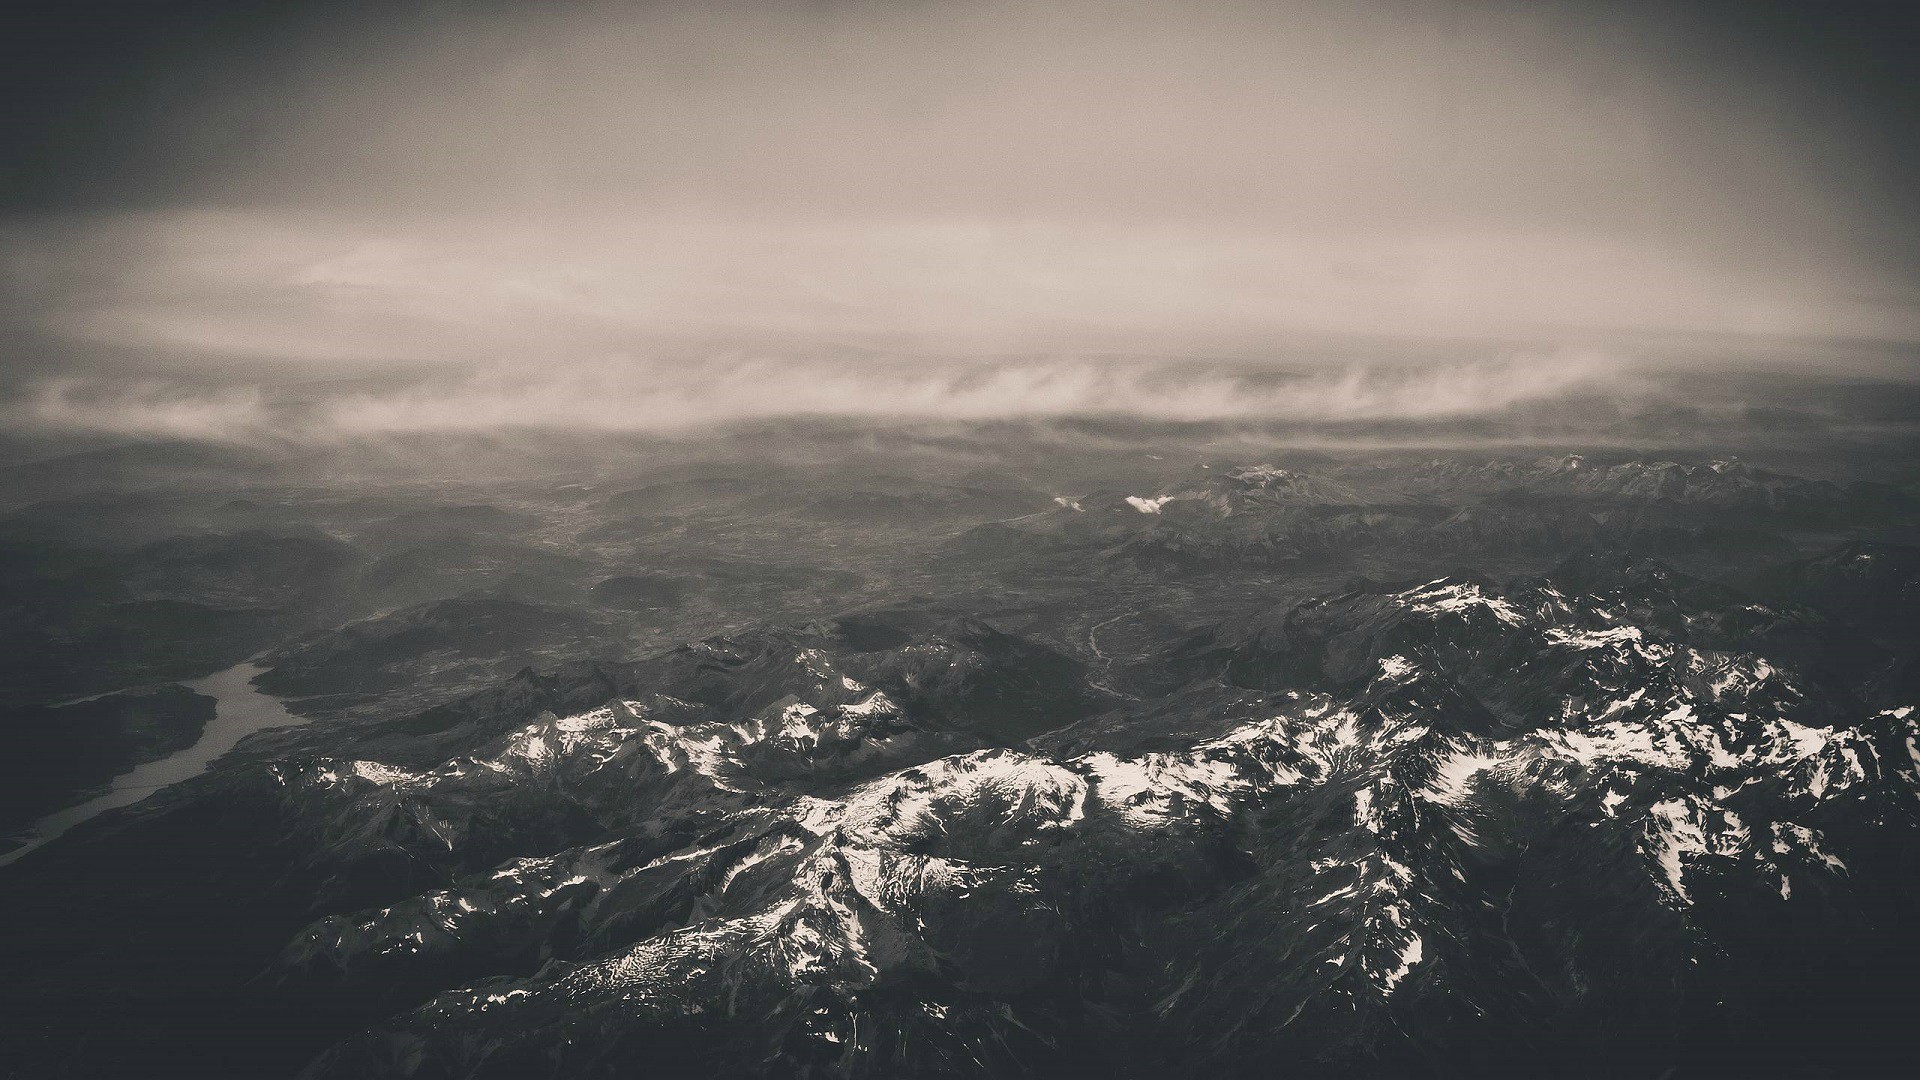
<point x="666" y="397"/>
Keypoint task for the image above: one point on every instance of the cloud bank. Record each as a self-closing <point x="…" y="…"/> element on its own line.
<point x="668" y="397"/>
<point x="555" y="206"/>
<point x="207" y="287"/>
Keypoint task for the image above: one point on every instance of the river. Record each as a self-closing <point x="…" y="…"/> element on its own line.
<point x="241" y="711"/>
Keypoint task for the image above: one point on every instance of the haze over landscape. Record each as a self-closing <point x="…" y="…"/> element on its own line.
<point x="870" y="538"/>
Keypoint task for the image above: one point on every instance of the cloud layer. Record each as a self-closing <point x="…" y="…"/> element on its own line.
<point x="665" y="397"/>
<point x="556" y="205"/>
<point x="475" y="289"/>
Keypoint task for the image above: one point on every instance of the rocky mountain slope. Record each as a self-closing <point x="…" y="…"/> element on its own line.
<point x="1479" y="827"/>
<point x="1366" y="766"/>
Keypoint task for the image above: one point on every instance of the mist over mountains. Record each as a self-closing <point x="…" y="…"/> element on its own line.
<point x="868" y="538"/>
<point x="634" y="396"/>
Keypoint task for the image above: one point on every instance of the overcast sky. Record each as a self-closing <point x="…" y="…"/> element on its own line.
<point x="226" y="191"/>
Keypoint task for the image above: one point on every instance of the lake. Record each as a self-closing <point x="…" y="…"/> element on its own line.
<point x="241" y="711"/>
